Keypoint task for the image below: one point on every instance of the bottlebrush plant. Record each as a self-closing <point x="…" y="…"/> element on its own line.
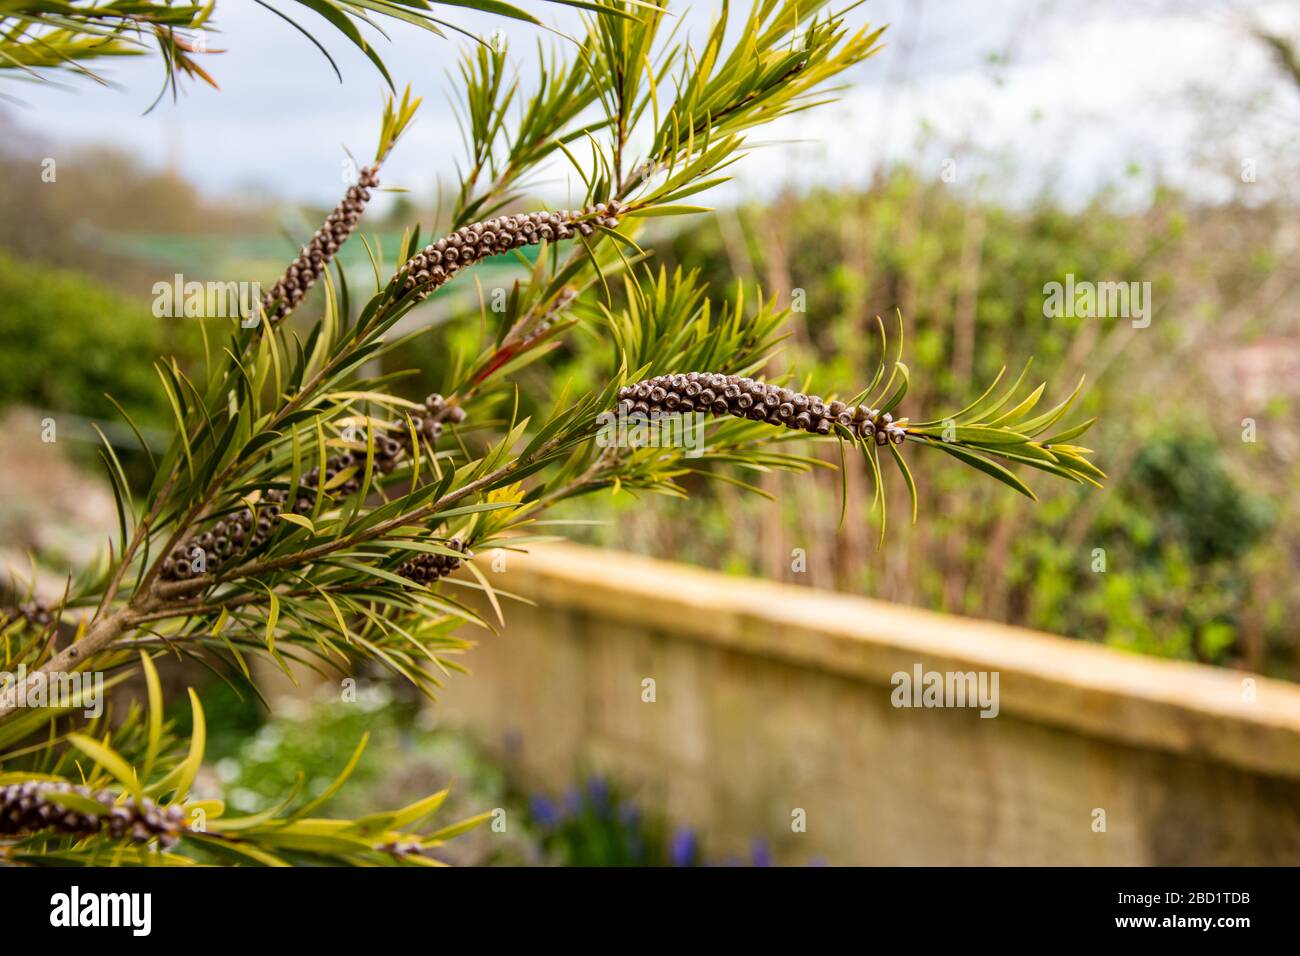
<point x="306" y="513"/>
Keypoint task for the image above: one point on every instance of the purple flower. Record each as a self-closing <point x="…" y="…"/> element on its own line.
<point x="683" y="848"/>
<point x="543" y="811"/>
<point x="761" y="853"/>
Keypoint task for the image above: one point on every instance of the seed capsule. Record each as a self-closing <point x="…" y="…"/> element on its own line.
<point x="744" y="397"/>
<point x="479" y="241"/>
<point x="303" y="272"/>
<point x="32" y="806"/>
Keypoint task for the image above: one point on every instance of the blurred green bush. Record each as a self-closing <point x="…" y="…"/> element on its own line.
<point x="1174" y="540"/>
<point x="68" y="341"/>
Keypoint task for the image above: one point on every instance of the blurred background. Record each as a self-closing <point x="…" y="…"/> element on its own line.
<point x="989" y="150"/>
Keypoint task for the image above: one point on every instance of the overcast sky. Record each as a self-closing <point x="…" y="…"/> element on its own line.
<point x="1082" y="94"/>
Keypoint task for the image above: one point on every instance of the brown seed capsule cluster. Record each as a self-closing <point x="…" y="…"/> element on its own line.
<point x="402" y="848"/>
<point x="243" y="531"/>
<point x="757" y="401"/>
<point x="427" y="568"/>
<point x="35" y="613"/>
<point x="438" y="412"/>
<point x="435" y="264"/>
<point x="30" y="807"/>
<point x="303" y="272"/>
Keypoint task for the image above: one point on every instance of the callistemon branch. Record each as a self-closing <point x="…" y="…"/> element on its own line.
<point x="267" y="529"/>
<point x="285" y="295"/>
<point x="315" y="257"/>
<point x="428" y="270"/>
<point x="976" y="435"/>
<point x="195" y="553"/>
<point x="351" y="546"/>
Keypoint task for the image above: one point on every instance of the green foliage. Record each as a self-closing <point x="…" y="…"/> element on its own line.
<point x="1197" y="568"/>
<point x="1180" y="482"/>
<point x="139" y="762"/>
<point x="407" y="757"/>
<point x="1175" y="537"/>
<point x="312" y="741"/>
<point x="72" y="342"/>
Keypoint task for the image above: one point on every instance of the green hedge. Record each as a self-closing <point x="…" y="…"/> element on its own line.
<point x="68" y="341"/>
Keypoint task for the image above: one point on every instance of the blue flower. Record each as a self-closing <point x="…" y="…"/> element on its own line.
<point x="761" y="853"/>
<point x="683" y="848"/>
<point x="543" y="811"/>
